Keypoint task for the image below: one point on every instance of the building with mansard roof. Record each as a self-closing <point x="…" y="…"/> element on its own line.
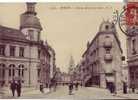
<point x="23" y="55"/>
<point x="102" y="61"/>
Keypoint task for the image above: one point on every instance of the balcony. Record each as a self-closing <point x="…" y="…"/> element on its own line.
<point x="108" y="57"/>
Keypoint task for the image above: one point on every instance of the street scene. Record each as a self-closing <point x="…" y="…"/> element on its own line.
<point x="77" y="51"/>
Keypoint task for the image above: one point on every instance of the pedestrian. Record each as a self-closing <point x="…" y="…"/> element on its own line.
<point x="70" y="88"/>
<point x="19" y="86"/>
<point x="41" y="88"/>
<point x="76" y="85"/>
<point x="133" y="87"/>
<point x="13" y="87"/>
<point x="124" y="88"/>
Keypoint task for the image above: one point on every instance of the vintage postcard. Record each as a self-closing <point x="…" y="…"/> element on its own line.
<point x="69" y="50"/>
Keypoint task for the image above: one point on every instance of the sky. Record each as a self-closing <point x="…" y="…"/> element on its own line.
<point x="67" y="27"/>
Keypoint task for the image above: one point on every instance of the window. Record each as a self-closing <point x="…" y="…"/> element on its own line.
<point x="38" y="53"/>
<point x="12" y="50"/>
<point x="2" y="50"/>
<point x="38" y="72"/>
<point x="107" y="50"/>
<point x="106" y="27"/>
<point x="12" y="70"/>
<point x="133" y="46"/>
<point x="21" y="52"/>
<point x="21" y="70"/>
<point x="31" y="34"/>
<point x="2" y="70"/>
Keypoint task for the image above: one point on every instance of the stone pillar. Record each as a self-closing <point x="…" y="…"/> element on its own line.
<point x="16" y="71"/>
<point x="7" y="50"/>
<point x="17" y="51"/>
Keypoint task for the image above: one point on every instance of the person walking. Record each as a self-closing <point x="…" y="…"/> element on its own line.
<point x="41" y="88"/>
<point x="133" y="87"/>
<point x="76" y="85"/>
<point x="124" y="88"/>
<point x="19" y="86"/>
<point x="70" y="88"/>
<point x="13" y="87"/>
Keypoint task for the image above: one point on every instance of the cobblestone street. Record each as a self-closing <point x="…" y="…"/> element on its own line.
<point x="83" y="93"/>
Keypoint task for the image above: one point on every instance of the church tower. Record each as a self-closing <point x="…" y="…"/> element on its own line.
<point x="30" y="24"/>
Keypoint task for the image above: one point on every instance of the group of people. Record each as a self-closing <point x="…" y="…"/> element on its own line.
<point x="112" y="88"/>
<point x="16" y="86"/>
<point x="71" y="86"/>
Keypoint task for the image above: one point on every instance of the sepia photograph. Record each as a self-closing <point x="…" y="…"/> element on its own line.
<point x="69" y="50"/>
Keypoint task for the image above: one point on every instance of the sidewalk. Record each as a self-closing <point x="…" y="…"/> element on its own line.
<point x="120" y="93"/>
<point x="128" y="95"/>
<point x="25" y="92"/>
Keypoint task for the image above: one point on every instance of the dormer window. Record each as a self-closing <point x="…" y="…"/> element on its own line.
<point x="107" y="42"/>
<point x="107" y="50"/>
<point x="31" y="34"/>
<point x="106" y="27"/>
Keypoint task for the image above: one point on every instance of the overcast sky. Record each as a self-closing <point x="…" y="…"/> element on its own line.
<point x="66" y="27"/>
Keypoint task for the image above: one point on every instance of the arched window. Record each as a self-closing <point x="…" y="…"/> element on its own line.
<point x="2" y="70"/>
<point x="21" y="70"/>
<point x="12" y="70"/>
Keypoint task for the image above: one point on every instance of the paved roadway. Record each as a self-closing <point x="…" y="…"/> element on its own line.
<point x="83" y="93"/>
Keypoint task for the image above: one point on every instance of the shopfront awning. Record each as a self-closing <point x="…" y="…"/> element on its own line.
<point x="110" y="79"/>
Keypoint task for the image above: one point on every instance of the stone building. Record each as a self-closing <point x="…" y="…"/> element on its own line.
<point x="132" y="40"/>
<point x="101" y="62"/>
<point x="52" y="61"/>
<point x="44" y="68"/>
<point x="22" y="52"/>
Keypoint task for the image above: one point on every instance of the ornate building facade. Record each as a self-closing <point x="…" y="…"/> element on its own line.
<point x="101" y="62"/>
<point x="132" y="40"/>
<point x="23" y="55"/>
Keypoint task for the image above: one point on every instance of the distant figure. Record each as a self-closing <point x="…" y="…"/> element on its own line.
<point x="124" y="88"/>
<point x="41" y="88"/>
<point x="76" y="85"/>
<point x="111" y="87"/>
<point x="13" y="87"/>
<point x="133" y="88"/>
<point x="70" y="88"/>
<point x="18" y="88"/>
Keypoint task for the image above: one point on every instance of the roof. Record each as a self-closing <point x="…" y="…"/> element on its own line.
<point x="11" y="33"/>
<point x="99" y="33"/>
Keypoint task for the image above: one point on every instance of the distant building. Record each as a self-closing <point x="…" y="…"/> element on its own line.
<point x="23" y="55"/>
<point x="65" y="78"/>
<point x="71" y="68"/>
<point x="52" y="61"/>
<point x="58" y="76"/>
<point x="102" y="61"/>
